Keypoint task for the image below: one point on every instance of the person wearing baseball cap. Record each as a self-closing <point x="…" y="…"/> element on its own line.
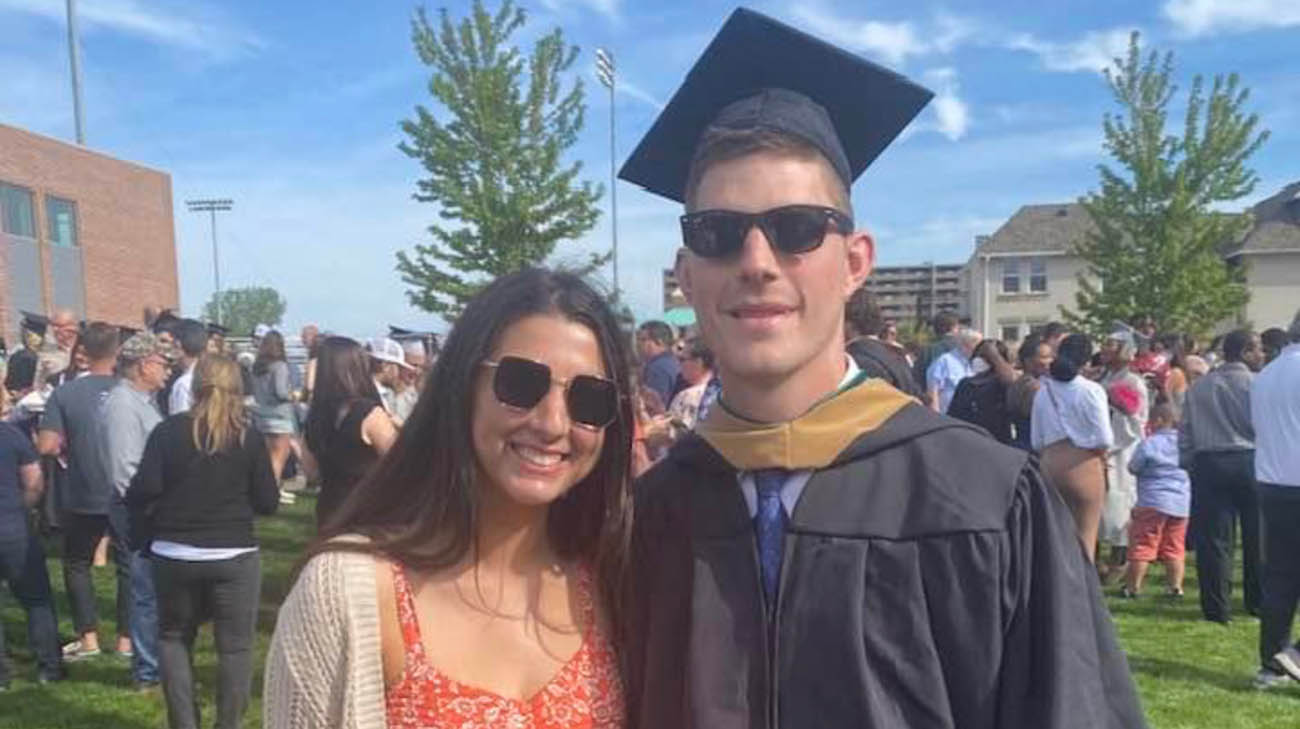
<point x="128" y="415"/>
<point x="821" y="552"/>
<point x="387" y="360"/>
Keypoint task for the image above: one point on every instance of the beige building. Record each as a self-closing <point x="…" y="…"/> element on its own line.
<point x="1023" y="274"/>
<point x="1271" y="255"/>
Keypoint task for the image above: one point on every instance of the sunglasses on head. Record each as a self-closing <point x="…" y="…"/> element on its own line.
<point x="521" y="383"/>
<point x="790" y="229"/>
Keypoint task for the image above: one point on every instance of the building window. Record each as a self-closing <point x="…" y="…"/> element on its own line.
<point x="1038" y="276"/>
<point x="1010" y="332"/>
<point x="16" y="215"/>
<point x="62" y="218"/>
<point x="1011" y="276"/>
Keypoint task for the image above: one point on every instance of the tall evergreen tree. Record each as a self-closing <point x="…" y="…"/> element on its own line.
<point x="493" y="150"/>
<point x="1158" y="239"/>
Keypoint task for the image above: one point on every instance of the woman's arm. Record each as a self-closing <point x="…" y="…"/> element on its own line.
<point x="280" y="378"/>
<point x="378" y="431"/>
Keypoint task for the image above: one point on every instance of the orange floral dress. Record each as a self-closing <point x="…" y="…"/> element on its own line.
<point x="586" y="693"/>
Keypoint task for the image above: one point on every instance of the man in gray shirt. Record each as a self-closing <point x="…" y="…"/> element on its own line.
<point x="1216" y="444"/>
<point x="128" y="415"/>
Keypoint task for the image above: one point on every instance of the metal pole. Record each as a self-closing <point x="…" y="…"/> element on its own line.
<point x="613" y="186"/>
<point x="74" y="55"/>
<point x="216" y="268"/>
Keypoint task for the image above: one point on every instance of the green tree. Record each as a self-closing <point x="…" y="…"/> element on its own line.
<point x="1158" y="240"/>
<point x="493" y="155"/>
<point x="245" y="308"/>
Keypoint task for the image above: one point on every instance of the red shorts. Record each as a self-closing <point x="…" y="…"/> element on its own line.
<point x="1154" y="535"/>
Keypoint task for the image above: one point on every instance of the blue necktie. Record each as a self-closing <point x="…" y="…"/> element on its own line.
<point x="769" y="525"/>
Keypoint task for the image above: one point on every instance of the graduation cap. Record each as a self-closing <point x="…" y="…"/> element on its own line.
<point x="166" y="322"/>
<point x="758" y="73"/>
<point x="216" y="329"/>
<point x="35" y="323"/>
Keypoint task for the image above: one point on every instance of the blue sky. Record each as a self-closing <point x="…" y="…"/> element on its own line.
<point x="292" y="108"/>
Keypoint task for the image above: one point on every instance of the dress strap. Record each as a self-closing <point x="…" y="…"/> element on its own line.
<point x="407" y="618"/>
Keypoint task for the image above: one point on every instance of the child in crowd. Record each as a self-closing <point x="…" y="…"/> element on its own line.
<point x="1158" y="529"/>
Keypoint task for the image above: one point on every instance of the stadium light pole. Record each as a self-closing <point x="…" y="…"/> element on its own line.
<point x="605" y="72"/>
<point x="212" y="207"/>
<point x="74" y="61"/>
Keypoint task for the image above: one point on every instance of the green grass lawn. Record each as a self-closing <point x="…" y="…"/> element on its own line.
<point x="1190" y="673"/>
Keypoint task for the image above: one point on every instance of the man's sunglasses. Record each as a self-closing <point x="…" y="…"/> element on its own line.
<point x="521" y="383"/>
<point x="790" y="229"/>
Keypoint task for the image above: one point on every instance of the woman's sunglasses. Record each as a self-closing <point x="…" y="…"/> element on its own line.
<point x="521" y="383"/>
<point x="790" y="229"/>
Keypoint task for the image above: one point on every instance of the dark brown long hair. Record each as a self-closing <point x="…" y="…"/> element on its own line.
<point x="420" y="505"/>
<point x="271" y="350"/>
<point x="342" y="378"/>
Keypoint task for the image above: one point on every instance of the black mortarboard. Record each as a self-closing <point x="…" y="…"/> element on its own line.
<point x="761" y="74"/>
<point x="217" y="329"/>
<point x="166" y="322"/>
<point x="35" y="323"/>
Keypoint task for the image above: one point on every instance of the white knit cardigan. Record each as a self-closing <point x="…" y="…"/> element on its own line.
<point x="325" y="667"/>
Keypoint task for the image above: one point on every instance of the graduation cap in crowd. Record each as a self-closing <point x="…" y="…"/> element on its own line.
<point x="166" y="322"/>
<point x="758" y="73"/>
<point x="35" y="323"/>
<point x="215" y="329"/>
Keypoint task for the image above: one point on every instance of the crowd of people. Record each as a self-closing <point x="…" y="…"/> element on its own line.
<point x="770" y="522"/>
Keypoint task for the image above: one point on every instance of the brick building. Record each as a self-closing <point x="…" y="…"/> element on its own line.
<point x="80" y="230"/>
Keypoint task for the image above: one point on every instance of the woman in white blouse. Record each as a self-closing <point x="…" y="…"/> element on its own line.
<point x="1070" y="425"/>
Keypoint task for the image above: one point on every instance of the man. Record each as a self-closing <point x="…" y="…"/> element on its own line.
<point x="946" y="325"/>
<point x="1216" y="445"/>
<point x="129" y="414"/>
<point x="659" y="366"/>
<point x="862" y="326"/>
<point x="193" y="339"/>
<point x="1274" y="341"/>
<point x="410" y="380"/>
<point x="823" y="551"/>
<point x="217" y="338"/>
<point x="1275" y="414"/>
<point x="20" y="375"/>
<point x="949" y="369"/>
<point x="386" y="364"/>
<point x="69" y="430"/>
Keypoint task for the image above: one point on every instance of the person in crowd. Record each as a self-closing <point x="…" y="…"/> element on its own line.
<point x="77" y="364"/>
<point x="217" y="339"/>
<point x="1197" y="368"/>
<point x="348" y="428"/>
<point x="69" y="430"/>
<point x="889" y="337"/>
<point x="20" y="373"/>
<point x="1274" y="340"/>
<point x="128" y="415"/>
<point x="1275" y="415"/>
<point x="981" y="399"/>
<point x="863" y="325"/>
<point x="659" y="366"/>
<point x="1054" y="332"/>
<point x="812" y="496"/>
<point x="1217" y="446"/>
<point x="1035" y="356"/>
<point x="193" y="339"/>
<point x="482" y="589"/>
<point x="387" y="361"/>
<point x="1158" y="530"/>
<point x="22" y="558"/>
<point x="946" y="325"/>
<point x="1129" y="404"/>
<point x="1176" y="384"/>
<point x="65" y="328"/>
<point x="949" y="369"/>
<point x="697" y="370"/>
<point x="410" y="380"/>
<point x="203" y="476"/>
<point x="1070" y="425"/>
<point x="273" y="398"/>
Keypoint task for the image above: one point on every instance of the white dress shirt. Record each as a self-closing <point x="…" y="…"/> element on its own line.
<point x="1275" y="412"/>
<point x="181" y="398"/>
<point x="794" y="485"/>
<point x="1076" y="411"/>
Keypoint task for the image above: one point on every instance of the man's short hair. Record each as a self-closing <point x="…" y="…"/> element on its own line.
<point x="658" y="332"/>
<point x="100" y="341"/>
<point x="1274" y="339"/>
<point x="945" y="322"/>
<point x="1235" y="344"/>
<point x="863" y="313"/>
<point x="192" y="336"/>
<point x="1053" y="330"/>
<point x="725" y="145"/>
<point x="697" y="349"/>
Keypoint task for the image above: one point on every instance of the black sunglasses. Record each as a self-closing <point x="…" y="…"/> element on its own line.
<point x="521" y="383"/>
<point x="790" y="229"/>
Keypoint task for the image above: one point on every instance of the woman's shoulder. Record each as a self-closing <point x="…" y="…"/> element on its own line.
<point x="334" y="579"/>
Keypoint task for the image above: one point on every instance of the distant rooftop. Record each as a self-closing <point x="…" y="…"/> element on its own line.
<point x="1039" y="228"/>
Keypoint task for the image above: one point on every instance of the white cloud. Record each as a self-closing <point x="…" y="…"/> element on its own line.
<point x="943" y="239"/>
<point x="193" y="29"/>
<point x="1202" y="17"/>
<point x="1093" y="52"/>
<point x="607" y="8"/>
<point x="891" y="42"/>
<point x="951" y="113"/>
<point x="633" y="91"/>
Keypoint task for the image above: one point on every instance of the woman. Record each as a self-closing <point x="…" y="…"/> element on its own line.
<point x="348" y="428"/>
<point x="203" y="476"/>
<point x="273" y="402"/>
<point x="492" y="537"/>
<point x="1070" y="427"/>
<point x="1129" y="401"/>
<point x="1035" y="357"/>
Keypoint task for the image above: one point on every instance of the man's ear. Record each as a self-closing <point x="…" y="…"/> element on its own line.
<point x="860" y="253"/>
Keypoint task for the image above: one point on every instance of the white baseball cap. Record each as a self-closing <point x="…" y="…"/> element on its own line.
<point x="387" y="350"/>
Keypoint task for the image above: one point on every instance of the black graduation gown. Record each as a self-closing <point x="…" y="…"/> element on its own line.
<point x="931" y="580"/>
